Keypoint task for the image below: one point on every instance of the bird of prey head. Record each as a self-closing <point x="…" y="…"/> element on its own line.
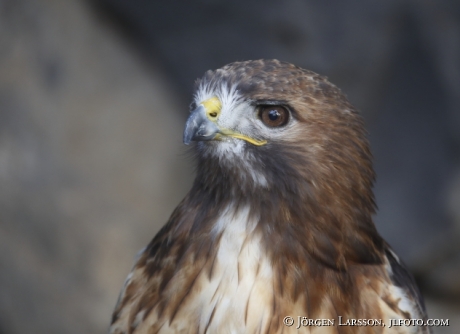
<point x="278" y="221"/>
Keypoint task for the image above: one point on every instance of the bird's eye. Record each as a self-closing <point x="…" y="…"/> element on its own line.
<point x="273" y="116"/>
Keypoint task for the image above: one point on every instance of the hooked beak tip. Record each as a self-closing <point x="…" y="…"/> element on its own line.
<point x="199" y="127"/>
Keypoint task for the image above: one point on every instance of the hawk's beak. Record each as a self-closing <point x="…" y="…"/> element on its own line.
<point x="199" y="126"/>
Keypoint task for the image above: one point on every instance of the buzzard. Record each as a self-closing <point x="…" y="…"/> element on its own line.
<point x="276" y="234"/>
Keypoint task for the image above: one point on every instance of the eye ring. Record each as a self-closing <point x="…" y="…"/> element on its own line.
<point x="273" y="116"/>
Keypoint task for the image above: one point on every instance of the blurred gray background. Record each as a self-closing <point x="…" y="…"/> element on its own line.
<point x="93" y="99"/>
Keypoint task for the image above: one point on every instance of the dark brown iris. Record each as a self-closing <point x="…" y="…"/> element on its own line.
<point x="273" y="116"/>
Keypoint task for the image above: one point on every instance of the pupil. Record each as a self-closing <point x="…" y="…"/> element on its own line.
<point x="273" y="115"/>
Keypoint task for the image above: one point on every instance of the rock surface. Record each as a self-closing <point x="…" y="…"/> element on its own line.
<point x="91" y="165"/>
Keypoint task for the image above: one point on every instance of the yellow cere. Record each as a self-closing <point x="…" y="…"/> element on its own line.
<point x="212" y="107"/>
